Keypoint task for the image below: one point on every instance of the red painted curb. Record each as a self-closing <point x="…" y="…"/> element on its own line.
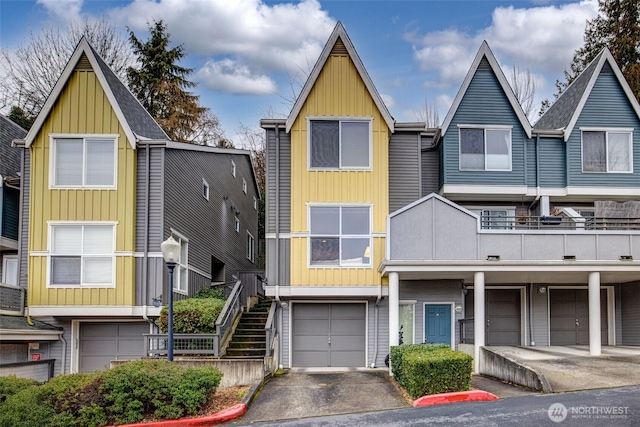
<point x="458" y="396"/>
<point x="218" y="418"/>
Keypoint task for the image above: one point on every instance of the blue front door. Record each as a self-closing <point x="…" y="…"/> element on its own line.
<point x="437" y="323"/>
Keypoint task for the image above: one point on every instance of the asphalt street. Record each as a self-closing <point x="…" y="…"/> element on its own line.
<point x="604" y="407"/>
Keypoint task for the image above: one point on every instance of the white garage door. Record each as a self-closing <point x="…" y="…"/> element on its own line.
<point x="100" y="343"/>
<point x="328" y="334"/>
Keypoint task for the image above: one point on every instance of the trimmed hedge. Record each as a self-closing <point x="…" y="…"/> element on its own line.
<point x="193" y="316"/>
<point x="128" y="393"/>
<point x="424" y="369"/>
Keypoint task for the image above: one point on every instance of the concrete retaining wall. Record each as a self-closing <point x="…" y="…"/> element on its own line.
<point x="499" y="366"/>
<point x="235" y="372"/>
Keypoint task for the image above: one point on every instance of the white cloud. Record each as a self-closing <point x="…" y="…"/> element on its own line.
<point x="62" y="10"/>
<point x="542" y="38"/>
<point x="388" y="100"/>
<point x="231" y="77"/>
<point x="264" y="37"/>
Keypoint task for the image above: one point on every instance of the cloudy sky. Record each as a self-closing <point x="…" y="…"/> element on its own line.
<point x="249" y="54"/>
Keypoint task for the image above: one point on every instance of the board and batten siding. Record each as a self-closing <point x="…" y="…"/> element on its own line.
<point x="484" y="103"/>
<point x="404" y="169"/>
<point x="338" y="92"/>
<point x="81" y="108"/>
<point x="209" y="225"/>
<point x="606" y="107"/>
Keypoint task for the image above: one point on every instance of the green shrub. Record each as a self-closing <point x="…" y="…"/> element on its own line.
<point x="431" y="369"/>
<point x="210" y="292"/>
<point x="128" y="393"/>
<point x="11" y="385"/>
<point x="193" y="316"/>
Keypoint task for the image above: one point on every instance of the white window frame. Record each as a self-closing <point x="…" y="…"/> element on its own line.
<point x="244" y="186"/>
<point x="205" y="189"/>
<point x="52" y="224"/>
<point x="236" y="225"/>
<point x="251" y="247"/>
<point x="606" y="132"/>
<point x="182" y="266"/>
<point x="5" y="262"/>
<point x="340" y="120"/>
<point x="84" y="138"/>
<point x="340" y="236"/>
<point x="233" y="168"/>
<point x="255" y="203"/>
<point x="486" y="128"/>
<point x="510" y="215"/>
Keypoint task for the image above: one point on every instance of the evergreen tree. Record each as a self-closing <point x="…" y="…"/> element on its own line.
<point x="17" y="116"/>
<point x="617" y="27"/>
<point x="161" y="85"/>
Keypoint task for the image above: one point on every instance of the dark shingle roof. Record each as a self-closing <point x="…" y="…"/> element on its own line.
<point x="20" y="323"/>
<point x="9" y="156"/>
<point x="140" y="121"/>
<point x="561" y="112"/>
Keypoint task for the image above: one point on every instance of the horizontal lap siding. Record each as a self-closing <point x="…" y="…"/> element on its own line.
<point x="210" y="225"/>
<point x="284" y="184"/>
<point x="607" y="106"/>
<point x="430" y="172"/>
<point x="484" y="103"/>
<point x="404" y="169"/>
<point x="24" y="220"/>
<point x="552" y="166"/>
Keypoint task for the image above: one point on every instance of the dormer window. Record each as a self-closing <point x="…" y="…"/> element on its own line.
<point x="340" y="144"/>
<point x="485" y="148"/>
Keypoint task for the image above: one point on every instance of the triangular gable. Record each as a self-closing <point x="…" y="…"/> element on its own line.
<point x="339" y="40"/>
<point x="599" y="62"/>
<point x="81" y="55"/>
<point x="485" y="52"/>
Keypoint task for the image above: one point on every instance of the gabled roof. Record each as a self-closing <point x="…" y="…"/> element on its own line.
<point x="564" y="113"/>
<point x="339" y="33"/>
<point x="134" y="118"/>
<point x="485" y="52"/>
<point x="9" y="156"/>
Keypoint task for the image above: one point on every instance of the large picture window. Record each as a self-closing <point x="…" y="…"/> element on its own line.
<point x="81" y="255"/>
<point x="485" y="149"/>
<point x="340" y="144"/>
<point x="607" y="151"/>
<point x="340" y="236"/>
<point x="83" y="162"/>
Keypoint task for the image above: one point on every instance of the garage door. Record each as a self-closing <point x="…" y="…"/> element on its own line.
<point x="328" y="335"/>
<point x="100" y="343"/>
<point x="569" y="316"/>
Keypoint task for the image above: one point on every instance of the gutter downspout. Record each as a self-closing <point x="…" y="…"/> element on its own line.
<point x="64" y="354"/>
<point x="537" y="172"/>
<point x="376" y="310"/>
<point x="145" y="258"/>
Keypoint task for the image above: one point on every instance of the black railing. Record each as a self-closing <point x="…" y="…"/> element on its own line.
<point x="502" y="222"/>
<point x="12" y="299"/>
<point x="466" y="330"/>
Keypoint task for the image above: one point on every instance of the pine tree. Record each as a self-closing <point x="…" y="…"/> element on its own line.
<point x="617" y="27"/>
<point x="161" y="85"/>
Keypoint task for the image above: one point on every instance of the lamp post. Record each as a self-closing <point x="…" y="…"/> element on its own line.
<point x="171" y="254"/>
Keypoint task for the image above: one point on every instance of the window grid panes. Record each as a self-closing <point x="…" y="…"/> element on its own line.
<point x="606" y="151"/>
<point x="485" y="149"/>
<point x="340" y="236"/>
<point x="339" y="144"/>
<point x="84" y="162"/>
<point x="81" y="255"/>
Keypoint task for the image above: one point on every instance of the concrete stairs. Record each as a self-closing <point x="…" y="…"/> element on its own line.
<point x="249" y="338"/>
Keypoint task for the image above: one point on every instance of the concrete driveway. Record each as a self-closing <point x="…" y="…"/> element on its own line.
<point x="301" y="394"/>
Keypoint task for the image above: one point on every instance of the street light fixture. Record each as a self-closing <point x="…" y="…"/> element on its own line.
<point x="171" y="254"/>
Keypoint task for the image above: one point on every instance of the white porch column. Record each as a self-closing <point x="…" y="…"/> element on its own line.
<point x="394" y="312"/>
<point x="394" y="308"/>
<point x="478" y="318"/>
<point x="595" y="339"/>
